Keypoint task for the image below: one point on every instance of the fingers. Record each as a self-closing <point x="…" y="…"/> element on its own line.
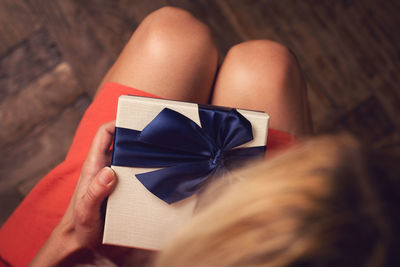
<point x="103" y="138"/>
<point x="88" y="207"/>
<point x="99" y="154"/>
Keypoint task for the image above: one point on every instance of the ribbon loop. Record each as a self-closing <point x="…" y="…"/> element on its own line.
<point x="189" y="155"/>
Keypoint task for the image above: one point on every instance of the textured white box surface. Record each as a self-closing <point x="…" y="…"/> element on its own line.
<point x="134" y="216"/>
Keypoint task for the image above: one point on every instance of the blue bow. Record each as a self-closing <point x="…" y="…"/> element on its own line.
<point x="190" y="156"/>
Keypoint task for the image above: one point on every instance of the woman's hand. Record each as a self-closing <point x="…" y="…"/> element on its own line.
<point x="96" y="182"/>
<point x="81" y="225"/>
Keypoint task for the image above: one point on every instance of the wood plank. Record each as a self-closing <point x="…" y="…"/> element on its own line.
<point x="27" y="61"/>
<point x="44" y="148"/>
<point x="9" y="200"/>
<point x="268" y="20"/>
<point x="386" y="93"/>
<point x="317" y="41"/>
<point x="322" y="113"/>
<point x="77" y="39"/>
<point x="381" y="33"/>
<point x="370" y="51"/>
<point x="334" y="45"/>
<point x="114" y="21"/>
<point x="52" y="141"/>
<point x="390" y="143"/>
<point x="40" y="101"/>
<point x="16" y="23"/>
<point x="368" y="121"/>
<point x="117" y="26"/>
<point x="343" y="81"/>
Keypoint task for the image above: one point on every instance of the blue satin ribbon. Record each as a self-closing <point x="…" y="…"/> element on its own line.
<point x="190" y="156"/>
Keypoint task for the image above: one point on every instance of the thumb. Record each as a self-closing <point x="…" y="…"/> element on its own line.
<point x="99" y="188"/>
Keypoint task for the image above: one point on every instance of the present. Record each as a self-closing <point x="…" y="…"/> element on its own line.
<point x="164" y="153"/>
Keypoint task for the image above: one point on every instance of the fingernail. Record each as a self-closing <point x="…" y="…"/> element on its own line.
<point x="106" y="176"/>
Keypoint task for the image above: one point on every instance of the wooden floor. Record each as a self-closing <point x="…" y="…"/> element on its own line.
<point x="53" y="54"/>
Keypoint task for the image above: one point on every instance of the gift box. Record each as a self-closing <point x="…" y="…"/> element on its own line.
<point x="164" y="154"/>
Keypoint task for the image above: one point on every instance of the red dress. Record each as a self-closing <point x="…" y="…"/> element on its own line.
<point x="32" y="222"/>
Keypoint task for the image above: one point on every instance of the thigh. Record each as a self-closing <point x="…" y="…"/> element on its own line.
<point x="264" y="75"/>
<point x="171" y="54"/>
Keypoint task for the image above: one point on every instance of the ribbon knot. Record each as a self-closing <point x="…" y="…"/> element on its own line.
<point x="188" y="155"/>
<point x="218" y="158"/>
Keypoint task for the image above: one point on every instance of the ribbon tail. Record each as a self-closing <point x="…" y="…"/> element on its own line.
<point x="175" y="183"/>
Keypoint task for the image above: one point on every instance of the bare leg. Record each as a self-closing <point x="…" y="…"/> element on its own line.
<point x="264" y="75"/>
<point x="171" y="54"/>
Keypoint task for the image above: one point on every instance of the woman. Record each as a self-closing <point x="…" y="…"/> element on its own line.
<point x="170" y="55"/>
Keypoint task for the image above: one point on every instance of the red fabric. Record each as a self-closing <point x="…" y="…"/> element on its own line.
<point x="278" y="141"/>
<point x="32" y="222"/>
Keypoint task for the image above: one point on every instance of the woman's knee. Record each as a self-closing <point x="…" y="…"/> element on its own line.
<point x="262" y="53"/>
<point x="171" y="54"/>
<point x="174" y="30"/>
<point x="264" y="60"/>
<point x="264" y="75"/>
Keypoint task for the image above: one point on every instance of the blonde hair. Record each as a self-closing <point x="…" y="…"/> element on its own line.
<point x="312" y="206"/>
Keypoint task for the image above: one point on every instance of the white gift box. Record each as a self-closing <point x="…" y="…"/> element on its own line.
<point x="134" y="216"/>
